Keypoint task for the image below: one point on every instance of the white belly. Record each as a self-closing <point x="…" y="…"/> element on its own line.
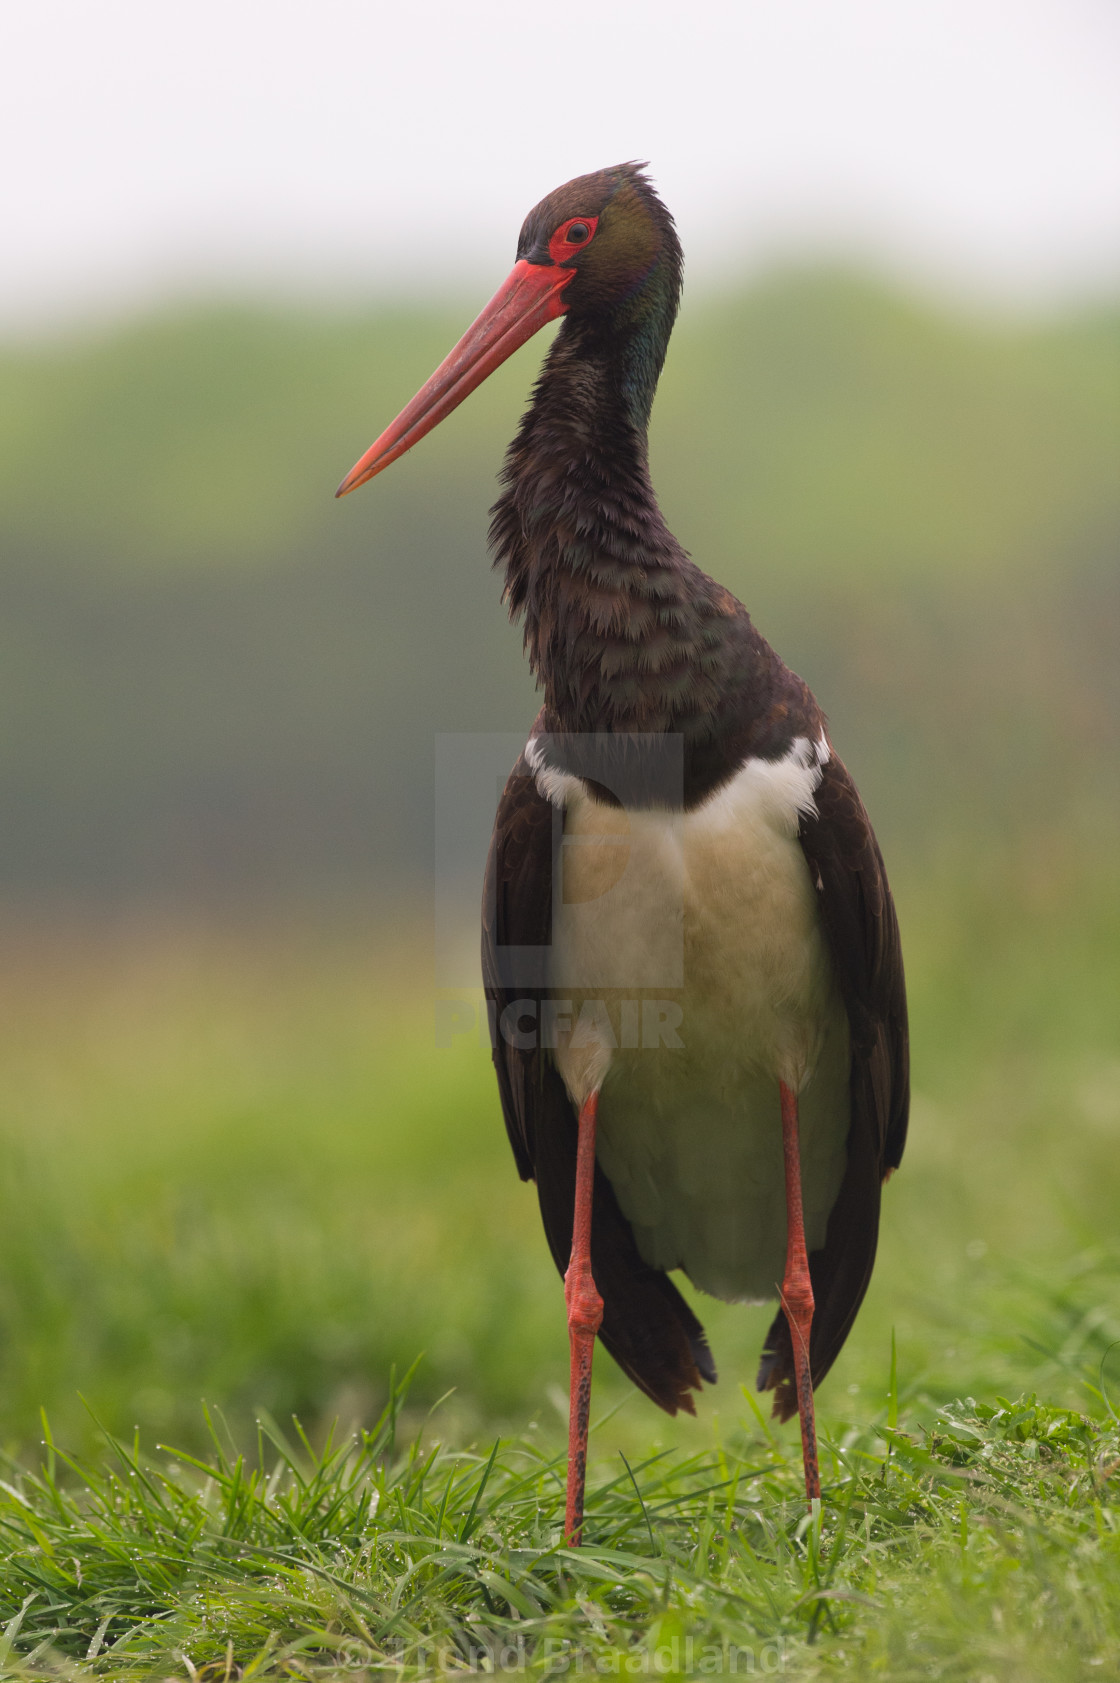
<point x="690" y="949"/>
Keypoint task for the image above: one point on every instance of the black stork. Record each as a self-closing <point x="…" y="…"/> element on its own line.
<point x="689" y="942"/>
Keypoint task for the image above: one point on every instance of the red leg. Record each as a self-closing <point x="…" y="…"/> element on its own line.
<point x="585" y="1316"/>
<point x="797" y="1292"/>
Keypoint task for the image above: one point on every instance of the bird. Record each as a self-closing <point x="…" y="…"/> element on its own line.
<point x="690" y="950"/>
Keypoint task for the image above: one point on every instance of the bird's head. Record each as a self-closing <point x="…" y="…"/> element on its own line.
<point x="612" y="233"/>
<point x="602" y="249"/>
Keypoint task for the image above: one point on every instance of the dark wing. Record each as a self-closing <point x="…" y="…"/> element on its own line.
<point x="517" y="915"/>
<point x="858" y="915"/>
<point x="647" y="1325"/>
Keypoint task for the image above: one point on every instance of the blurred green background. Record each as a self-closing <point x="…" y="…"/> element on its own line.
<point x="236" y="1166"/>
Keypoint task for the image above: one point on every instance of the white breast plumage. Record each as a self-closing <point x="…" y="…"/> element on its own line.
<point x="689" y="976"/>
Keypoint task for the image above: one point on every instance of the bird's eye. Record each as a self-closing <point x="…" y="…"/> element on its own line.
<point x="577" y="232"/>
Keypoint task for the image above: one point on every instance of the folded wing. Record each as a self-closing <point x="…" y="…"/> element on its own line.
<point x="859" y="919"/>
<point x="647" y="1325"/>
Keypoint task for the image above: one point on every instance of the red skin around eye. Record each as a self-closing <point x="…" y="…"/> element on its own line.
<point x="558" y="247"/>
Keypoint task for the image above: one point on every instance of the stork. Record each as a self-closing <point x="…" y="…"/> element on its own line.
<point x="689" y="942"/>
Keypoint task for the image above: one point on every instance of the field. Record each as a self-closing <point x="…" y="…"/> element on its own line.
<point x="282" y="1356"/>
<point x="243" y="1186"/>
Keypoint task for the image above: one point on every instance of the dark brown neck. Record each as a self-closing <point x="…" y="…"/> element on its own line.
<point x="623" y="631"/>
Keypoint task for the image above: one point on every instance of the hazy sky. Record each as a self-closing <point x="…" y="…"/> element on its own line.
<point x="342" y="144"/>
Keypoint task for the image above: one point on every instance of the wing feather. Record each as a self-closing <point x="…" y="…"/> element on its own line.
<point x="858" y="915"/>
<point x="647" y="1325"/>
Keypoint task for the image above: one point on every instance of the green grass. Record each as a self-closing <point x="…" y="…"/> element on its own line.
<point x="237" y="1169"/>
<point x="987" y="1545"/>
<point x="237" y="1174"/>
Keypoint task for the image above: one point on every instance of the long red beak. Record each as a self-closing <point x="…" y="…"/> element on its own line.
<point x="519" y="308"/>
